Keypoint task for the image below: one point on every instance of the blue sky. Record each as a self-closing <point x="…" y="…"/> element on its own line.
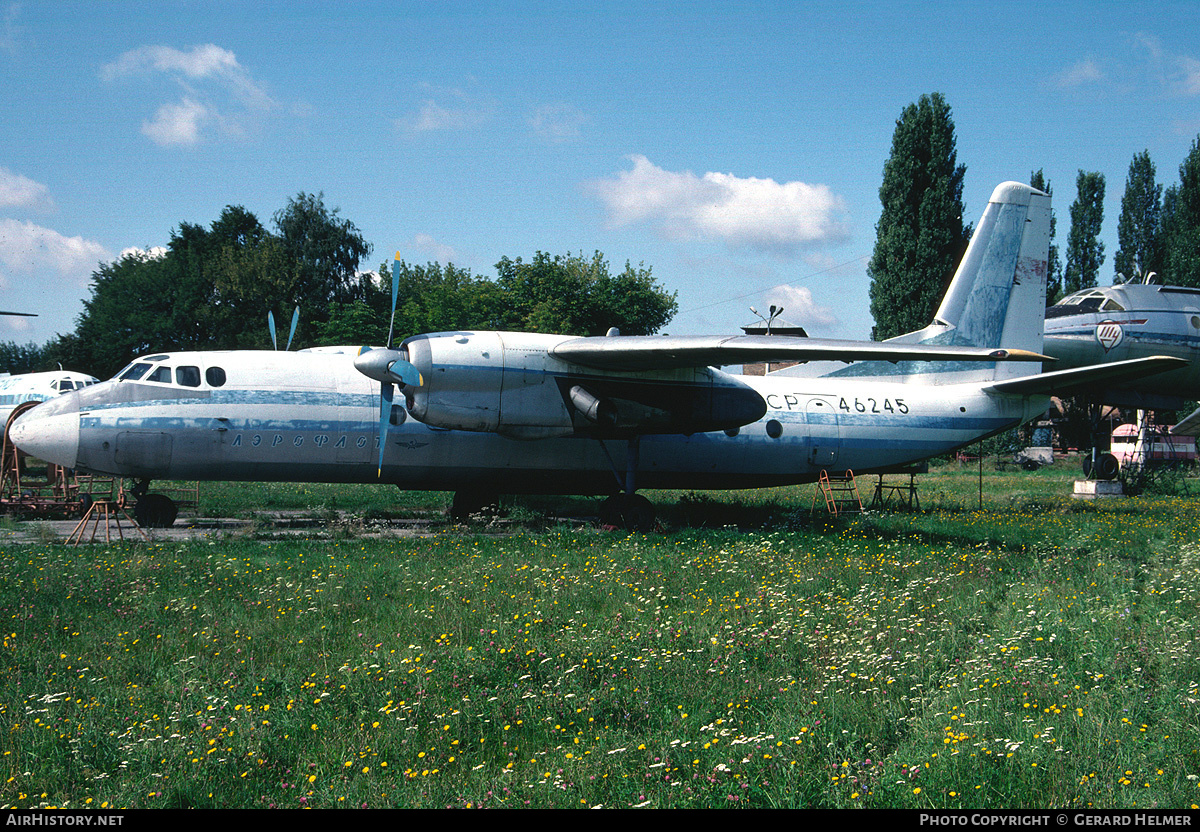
<point x="736" y="148"/>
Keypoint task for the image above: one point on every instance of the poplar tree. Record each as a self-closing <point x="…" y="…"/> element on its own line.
<point x="1053" y="268"/>
<point x="1085" y="251"/>
<point x="920" y="236"/>
<point x="1139" y="228"/>
<point x="1181" y="223"/>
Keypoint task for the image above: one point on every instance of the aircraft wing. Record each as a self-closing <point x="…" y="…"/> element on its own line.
<point x="633" y="353"/>
<point x="1078" y="380"/>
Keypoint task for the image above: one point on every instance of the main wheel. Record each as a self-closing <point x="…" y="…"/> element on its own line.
<point x="1105" y="467"/>
<point x="628" y="511"/>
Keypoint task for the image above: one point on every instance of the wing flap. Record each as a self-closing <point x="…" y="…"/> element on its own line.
<point x="634" y="353"/>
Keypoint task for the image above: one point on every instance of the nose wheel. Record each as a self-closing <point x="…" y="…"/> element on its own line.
<point x="153" y="511"/>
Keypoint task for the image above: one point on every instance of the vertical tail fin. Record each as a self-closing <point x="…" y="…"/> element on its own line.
<point x="998" y="295"/>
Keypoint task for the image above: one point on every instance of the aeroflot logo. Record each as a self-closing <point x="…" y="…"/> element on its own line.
<point x="1109" y="334"/>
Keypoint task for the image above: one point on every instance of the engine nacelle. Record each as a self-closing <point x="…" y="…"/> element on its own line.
<point x="497" y="382"/>
<point x="508" y="383"/>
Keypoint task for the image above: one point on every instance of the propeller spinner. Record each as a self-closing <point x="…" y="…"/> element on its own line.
<point x="389" y="367"/>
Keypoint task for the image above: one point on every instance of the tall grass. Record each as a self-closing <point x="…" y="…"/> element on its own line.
<point x="1015" y="656"/>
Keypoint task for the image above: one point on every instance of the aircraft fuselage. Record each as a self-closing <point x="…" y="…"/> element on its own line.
<point x="1129" y="321"/>
<point x="313" y="417"/>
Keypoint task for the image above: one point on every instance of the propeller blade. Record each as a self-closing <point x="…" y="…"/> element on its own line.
<point x="388" y="367"/>
<point x="385" y="414"/>
<point x="295" y="320"/>
<point x="271" y="326"/>
<point x="395" y="294"/>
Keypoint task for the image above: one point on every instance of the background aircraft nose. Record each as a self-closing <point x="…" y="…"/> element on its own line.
<point x="49" y="433"/>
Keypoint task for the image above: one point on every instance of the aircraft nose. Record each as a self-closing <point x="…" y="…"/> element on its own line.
<point x="50" y="431"/>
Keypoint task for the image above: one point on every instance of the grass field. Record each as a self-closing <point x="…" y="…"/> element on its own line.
<point x="1037" y="652"/>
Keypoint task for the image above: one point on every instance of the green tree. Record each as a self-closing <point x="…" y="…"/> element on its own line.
<point x="1053" y="268"/>
<point x="574" y="295"/>
<point x="431" y="298"/>
<point x="1139" y="232"/>
<point x="326" y="251"/>
<point x="16" y="359"/>
<point x="920" y="236"/>
<point x="132" y="310"/>
<point x="1181" y="223"/>
<point x="1085" y="251"/>
<point x="214" y="286"/>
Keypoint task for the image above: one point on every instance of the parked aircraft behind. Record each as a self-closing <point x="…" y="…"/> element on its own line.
<point x="1130" y="320"/>
<point x="499" y="412"/>
<point x="37" y="387"/>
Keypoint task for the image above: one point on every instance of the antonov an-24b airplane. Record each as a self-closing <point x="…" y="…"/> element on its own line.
<point x="487" y="413"/>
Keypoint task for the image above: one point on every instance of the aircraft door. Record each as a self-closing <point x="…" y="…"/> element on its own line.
<point x="143" y="453"/>
<point x="824" y="437"/>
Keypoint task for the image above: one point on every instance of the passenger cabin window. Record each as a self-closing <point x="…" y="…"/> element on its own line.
<point x="187" y="376"/>
<point x="215" y="376"/>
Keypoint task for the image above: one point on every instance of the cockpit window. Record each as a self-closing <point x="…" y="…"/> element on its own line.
<point x="1088" y="300"/>
<point x="215" y="376"/>
<point x="161" y="375"/>
<point x="133" y="372"/>
<point x="187" y="376"/>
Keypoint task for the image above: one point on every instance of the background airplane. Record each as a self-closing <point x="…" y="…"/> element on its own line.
<point x="37" y="387"/>
<point x="1130" y="320"/>
<point x="487" y="413"/>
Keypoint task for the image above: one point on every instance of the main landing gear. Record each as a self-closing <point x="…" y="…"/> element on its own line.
<point x="624" y="510"/>
<point x="627" y="509"/>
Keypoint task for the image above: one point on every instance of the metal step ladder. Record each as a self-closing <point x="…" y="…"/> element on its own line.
<point x="840" y="493"/>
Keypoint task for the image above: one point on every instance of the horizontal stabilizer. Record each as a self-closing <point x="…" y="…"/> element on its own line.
<point x="1189" y="425"/>
<point x="634" y="353"/>
<point x="1080" y="379"/>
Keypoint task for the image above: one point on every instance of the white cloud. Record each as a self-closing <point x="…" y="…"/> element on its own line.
<point x="1178" y="73"/>
<point x="558" y="122"/>
<point x="206" y="62"/>
<point x="1084" y="72"/>
<point x="152" y="253"/>
<point x="430" y="247"/>
<point x="177" y="124"/>
<point x="10" y="32"/>
<point x="448" y="108"/>
<point x="433" y="116"/>
<point x="17" y="191"/>
<point x="751" y="213"/>
<point x="218" y="91"/>
<point x="1190" y="71"/>
<point x="799" y="307"/>
<point x="29" y="249"/>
